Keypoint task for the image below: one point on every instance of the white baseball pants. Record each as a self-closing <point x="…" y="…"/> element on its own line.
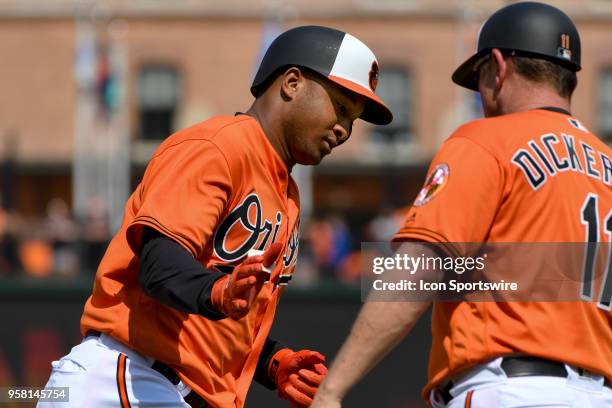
<point x="487" y="386"/>
<point x="102" y="372"/>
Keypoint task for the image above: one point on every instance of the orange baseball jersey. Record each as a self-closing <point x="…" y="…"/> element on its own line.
<point x="535" y="176"/>
<point x="219" y="189"/>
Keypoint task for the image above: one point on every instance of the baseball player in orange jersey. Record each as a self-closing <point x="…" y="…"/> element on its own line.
<point x="530" y="172"/>
<point x="181" y="306"/>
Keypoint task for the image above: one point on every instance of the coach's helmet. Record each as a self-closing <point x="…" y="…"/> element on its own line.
<point x="526" y="29"/>
<point x="336" y="55"/>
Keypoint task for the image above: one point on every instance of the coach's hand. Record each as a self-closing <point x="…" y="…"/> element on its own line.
<point x="297" y="375"/>
<point x="233" y="295"/>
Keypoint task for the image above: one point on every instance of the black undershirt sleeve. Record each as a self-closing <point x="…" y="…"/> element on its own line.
<point x="173" y="277"/>
<point x="261" y="372"/>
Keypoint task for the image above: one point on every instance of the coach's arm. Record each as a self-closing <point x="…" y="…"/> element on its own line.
<point x="379" y="327"/>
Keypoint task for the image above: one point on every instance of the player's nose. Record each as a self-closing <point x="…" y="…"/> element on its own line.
<point x="341" y="132"/>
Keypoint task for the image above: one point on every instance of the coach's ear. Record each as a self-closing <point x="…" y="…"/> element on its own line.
<point x="501" y="68"/>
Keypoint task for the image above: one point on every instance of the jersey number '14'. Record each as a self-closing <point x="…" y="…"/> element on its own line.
<point x="590" y="219"/>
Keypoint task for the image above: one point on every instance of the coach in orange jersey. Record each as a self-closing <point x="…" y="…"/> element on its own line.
<point x="185" y="295"/>
<point x="529" y="172"/>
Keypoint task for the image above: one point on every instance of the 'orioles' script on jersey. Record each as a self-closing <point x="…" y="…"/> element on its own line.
<point x="235" y="194"/>
<point x="523" y="177"/>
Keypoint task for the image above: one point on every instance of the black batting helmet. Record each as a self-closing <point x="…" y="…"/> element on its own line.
<point x="336" y="55"/>
<point x="529" y="29"/>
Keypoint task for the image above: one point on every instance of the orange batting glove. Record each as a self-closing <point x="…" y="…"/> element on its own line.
<point x="233" y="295"/>
<point x="297" y="375"/>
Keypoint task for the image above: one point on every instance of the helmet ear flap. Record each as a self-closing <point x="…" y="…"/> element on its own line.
<point x="259" y="89"/>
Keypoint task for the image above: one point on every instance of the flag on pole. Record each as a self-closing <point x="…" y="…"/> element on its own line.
<point x="271" y="28"/>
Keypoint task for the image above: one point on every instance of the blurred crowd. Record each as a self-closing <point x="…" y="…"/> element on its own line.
<point x="61" y="245"/>
<point x="54" y="245"/>
<point x="330" y="244"/>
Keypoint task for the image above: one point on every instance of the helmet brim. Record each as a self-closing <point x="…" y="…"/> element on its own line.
<point x="466" y="75"/>
<point x="375" y="111"/>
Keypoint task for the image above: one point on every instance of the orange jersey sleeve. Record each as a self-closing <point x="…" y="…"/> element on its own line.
<point x="186" y="211"/>
<point x="460" y="197"/>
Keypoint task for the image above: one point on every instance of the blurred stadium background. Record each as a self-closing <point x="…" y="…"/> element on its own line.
<point x="90" y="88"/>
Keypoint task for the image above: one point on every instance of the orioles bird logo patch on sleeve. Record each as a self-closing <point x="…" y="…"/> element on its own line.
<point x="433" y="185"/>
<point x="373" y="76"/>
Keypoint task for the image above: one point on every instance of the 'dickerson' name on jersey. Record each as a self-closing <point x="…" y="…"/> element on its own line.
<point x="553" y="154"/>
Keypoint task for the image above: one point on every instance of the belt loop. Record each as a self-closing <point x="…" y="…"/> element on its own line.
<point x="435" y="399"/>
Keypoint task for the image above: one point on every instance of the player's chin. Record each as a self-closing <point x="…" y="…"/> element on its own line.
<point x="311" y="158"/>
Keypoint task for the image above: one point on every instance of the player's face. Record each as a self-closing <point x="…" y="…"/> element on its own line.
<point x="323" y="120"/>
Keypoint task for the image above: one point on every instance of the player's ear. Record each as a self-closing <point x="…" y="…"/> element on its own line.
<point x="501" y="68"/>
<point x="292" y="81"/>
